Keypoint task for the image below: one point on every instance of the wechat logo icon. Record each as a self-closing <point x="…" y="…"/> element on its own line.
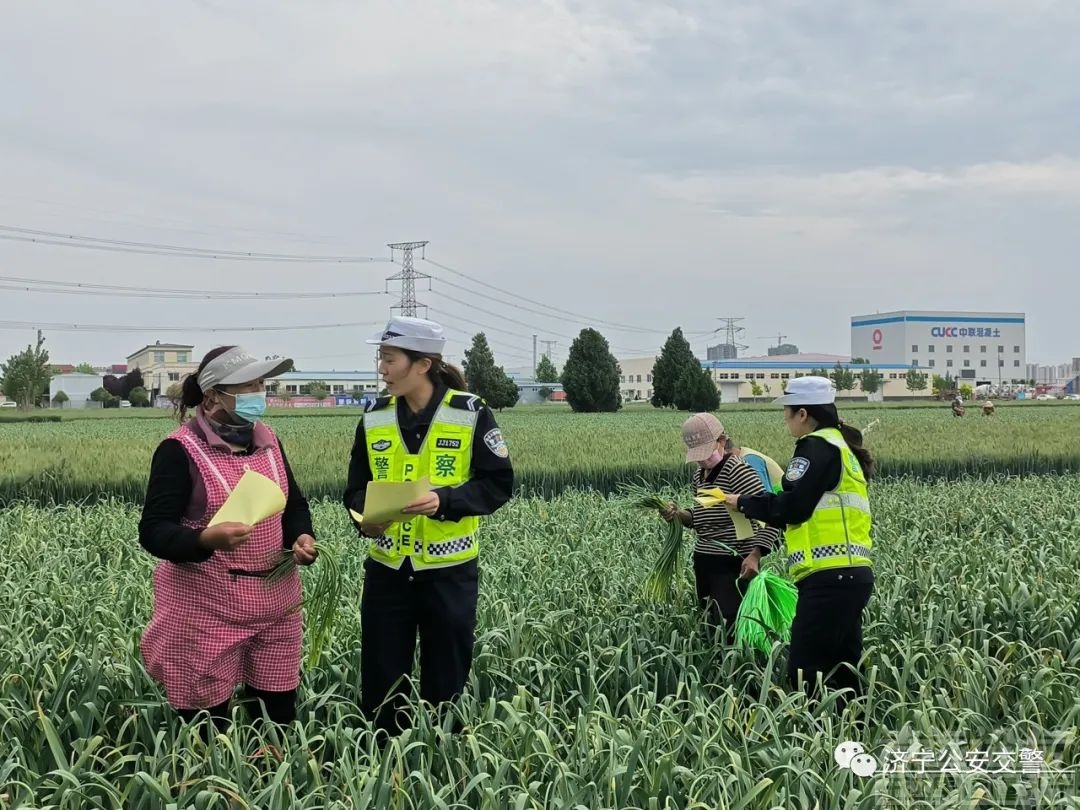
<point x="852" y="756"/>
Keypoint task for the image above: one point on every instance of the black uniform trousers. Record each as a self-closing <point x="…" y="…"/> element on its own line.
<point x="440" y="605"/>
<point x="826" y="633"/>
<point x="719" y="591"/>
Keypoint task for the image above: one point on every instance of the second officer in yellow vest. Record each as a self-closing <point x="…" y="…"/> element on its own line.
<point x="825" y="513"/>
<point x="421" y="576"/>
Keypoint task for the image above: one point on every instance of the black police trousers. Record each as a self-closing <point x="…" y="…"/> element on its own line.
<point x="438" y="605"/>
<point x="826" y="633"/>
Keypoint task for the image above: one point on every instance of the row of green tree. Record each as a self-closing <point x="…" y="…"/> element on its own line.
<point x="590" y="378"/>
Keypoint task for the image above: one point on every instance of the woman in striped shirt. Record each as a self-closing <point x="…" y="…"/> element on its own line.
<point x="723" y="563"/>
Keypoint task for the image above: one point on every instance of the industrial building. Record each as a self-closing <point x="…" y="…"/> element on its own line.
<point x="975" y="347"/>
<point x="736" y="379"/>
<point x="77" y="387"/>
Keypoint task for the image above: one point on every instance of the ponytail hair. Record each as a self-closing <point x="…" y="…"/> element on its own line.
<point x="191" y="394"/>
<point x="827" y="417"/>
<point x="440" y="371"/>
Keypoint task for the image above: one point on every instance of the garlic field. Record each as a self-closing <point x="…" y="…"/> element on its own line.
<point x="85" y="457"/>
<point x="583" y="694"/>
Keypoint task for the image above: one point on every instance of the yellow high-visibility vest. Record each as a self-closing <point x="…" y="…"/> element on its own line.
<point x="837" y="535"/>
<point x="445" y="458"/>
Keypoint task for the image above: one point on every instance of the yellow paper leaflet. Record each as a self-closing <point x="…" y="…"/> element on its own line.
<point x="254" y="499"/>
<point x="714" y="496"/>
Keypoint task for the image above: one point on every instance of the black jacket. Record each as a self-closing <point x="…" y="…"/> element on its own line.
<point x="168" y="494"/>
<point x="814" y="469"/>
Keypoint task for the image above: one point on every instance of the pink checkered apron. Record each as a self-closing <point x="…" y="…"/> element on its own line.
<point x="213" y="628"/>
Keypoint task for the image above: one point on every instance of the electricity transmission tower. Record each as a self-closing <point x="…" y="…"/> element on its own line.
<point x="548" y="344"/>
<point x="407" y="276"/>
<point x="732" y="331"/>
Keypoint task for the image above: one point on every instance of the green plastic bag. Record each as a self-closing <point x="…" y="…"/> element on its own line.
<point x="766" y="612"/>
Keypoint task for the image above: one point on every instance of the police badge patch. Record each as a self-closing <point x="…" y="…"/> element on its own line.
<point x="797" y="468"/>
<point x="381" y="445"/>
<point x="496" y="444"/>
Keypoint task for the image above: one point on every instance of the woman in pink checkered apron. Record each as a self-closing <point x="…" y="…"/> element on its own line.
<point x="217" y="623"/>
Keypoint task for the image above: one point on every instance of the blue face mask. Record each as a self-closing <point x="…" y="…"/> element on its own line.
<point x="250" y="407"/>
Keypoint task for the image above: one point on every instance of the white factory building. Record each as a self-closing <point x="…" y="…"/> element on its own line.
<point x="77" y="388"/>
<point x="977" y="347"/>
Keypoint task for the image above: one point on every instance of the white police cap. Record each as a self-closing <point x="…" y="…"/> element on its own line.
<point x="414" y="334"/>
<point x="808" y="391"/>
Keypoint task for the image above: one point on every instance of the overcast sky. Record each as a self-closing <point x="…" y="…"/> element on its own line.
<point x="649" y="164"/>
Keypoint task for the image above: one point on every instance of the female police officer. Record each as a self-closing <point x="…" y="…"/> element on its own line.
<point x="824" y="510"/>
<point x="421" y="575"/>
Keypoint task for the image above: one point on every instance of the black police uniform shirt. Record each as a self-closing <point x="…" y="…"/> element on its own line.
<point x="815" y="468"/>
<point x="491" y="474"/>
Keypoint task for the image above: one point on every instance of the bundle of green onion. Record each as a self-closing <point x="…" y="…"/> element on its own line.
<point x="658" y="585"/>
<point x="320" y="605"/>
<point x="766" y="612"/>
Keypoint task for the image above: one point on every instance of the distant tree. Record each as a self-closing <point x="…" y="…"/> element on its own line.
<point x="695" y="391"/>
<point x="174" y="392"/>
<point x="506" y="393"/>
<point x="485" y="379"/>
<point x="318" y="390"/>
<point x="843" y="378"/>
<point x="59" y="399"/>
<point x="916" y="380"/>
<point x="26" y="375"/>
<point x="675" y="358"/>
<point x="120" y="387"/>
<point x="965" y="391"/>
<point x="590" y="377"/>
<point x="871" y="381"/>
<point x="85" y="368"/>
<point x="755" y="389"/>
<point x="129" y="382"/>
<point x="546" y="371"/>
<point x="139" y="397"/>
<point x="106" y="399"/>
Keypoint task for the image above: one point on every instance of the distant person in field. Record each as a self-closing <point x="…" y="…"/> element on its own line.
<point x="958" y="406"/>
<point x="723" y="563"/>
<point x="421" y="578"/>
<point x="217" y="624"/>
<point x="824" y="510"/>
<point x="988" y="408"/>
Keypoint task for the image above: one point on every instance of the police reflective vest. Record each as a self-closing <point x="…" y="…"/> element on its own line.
<point x="838" y="532"/>
<point x="445" y="458"/>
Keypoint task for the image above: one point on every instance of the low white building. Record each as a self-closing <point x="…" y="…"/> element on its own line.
<point x="759" y="378"/>
<point x="77" y="387"/>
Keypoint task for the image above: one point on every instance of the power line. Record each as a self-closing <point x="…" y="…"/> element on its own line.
<point x="621" y="349"/>
<point x="124" y="291"/>
<point x="90" y="327"/>
<point x="578" y="316"/>
<point x="477" y="325"/>
<point x="17" y="234"/>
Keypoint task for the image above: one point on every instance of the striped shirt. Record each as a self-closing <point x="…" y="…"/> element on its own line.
<point x="714" y="526"/>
